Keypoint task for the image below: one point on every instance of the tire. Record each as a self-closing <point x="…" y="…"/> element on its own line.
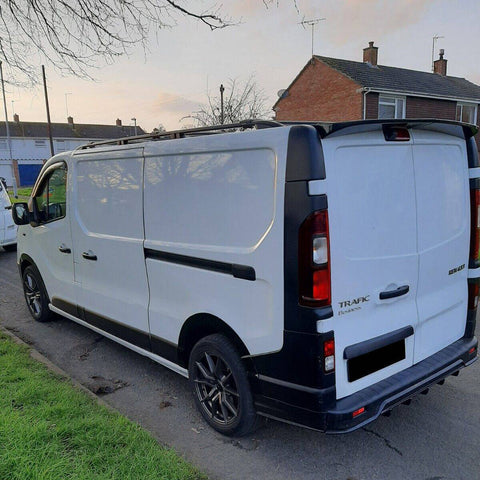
<point x="220" y="386"/>
<point x="10" y="248"/>
<point x="36" y="295"/>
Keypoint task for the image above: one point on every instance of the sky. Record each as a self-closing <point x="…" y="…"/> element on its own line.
<point x="185" y="63"/>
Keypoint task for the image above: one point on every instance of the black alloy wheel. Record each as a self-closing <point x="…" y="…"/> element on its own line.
<point x="220" y="386"/>
<point x="35" y="295"/>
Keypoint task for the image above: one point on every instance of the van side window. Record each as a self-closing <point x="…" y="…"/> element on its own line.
<point x="51" y="199"/>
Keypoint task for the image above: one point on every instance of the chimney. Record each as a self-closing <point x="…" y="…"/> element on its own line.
<point x="370" y="54"/>
<point x="118" y="122"/>
<point x="16" y="118"/>
<point x="440" y="65"/>
<point x="70" y="121"/>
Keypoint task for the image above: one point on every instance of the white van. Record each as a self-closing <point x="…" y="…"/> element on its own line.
<point x="318" y="274"/>
<point x="8" y="229"/>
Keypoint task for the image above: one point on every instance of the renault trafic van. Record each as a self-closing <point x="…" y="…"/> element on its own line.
<point x="8" y="229"/>
<point x="318" y="274"/>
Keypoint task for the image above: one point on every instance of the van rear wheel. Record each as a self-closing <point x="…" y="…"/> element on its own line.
<point x="220" y="386"/>
<point x="36" y="295"/>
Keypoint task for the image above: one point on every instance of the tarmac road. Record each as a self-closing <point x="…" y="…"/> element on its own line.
<point x="435" y="438"/>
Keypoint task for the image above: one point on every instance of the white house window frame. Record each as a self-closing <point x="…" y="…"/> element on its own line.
<point x="393" y="101"/>
<point x="459" y="111"/>
<point x="60" y="145"/>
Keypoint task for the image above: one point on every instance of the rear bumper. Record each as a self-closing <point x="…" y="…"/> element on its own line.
<point x="376" y="399"/>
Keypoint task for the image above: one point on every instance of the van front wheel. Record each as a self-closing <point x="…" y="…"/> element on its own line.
<point x="220" y="386"/>
<point x="36" y="295"/>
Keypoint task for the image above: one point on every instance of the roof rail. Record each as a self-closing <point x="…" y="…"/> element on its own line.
<point x="187" y="132"/>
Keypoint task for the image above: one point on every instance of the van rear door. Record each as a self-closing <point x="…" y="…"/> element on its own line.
<point x="374" y="259"/>
<point x="399" y="243"/>
<point x="443" y="226"/>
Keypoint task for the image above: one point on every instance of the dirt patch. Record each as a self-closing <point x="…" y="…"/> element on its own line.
<point x="105" y="386"/>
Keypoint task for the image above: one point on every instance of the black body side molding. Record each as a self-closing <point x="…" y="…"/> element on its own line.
<point x="238" y="271"/>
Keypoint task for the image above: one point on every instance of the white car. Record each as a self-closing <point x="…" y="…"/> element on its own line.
<point x="8" y="229"/>
<point x="318" y="274"/>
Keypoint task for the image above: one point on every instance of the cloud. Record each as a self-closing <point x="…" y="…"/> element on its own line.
<point x="169" y="102"/>
<point x="372" y="18"/>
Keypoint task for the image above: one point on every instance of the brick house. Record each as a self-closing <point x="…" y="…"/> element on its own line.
<point x="332" y="89"/>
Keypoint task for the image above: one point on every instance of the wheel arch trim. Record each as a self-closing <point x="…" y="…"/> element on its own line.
<point x="200" y="325"/>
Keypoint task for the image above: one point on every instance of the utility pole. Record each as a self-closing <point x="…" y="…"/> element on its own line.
<point x="49" y="123"/>
<point x="7" y="128"/>
<point x="434" y="39"/>
<point x="222" y="116"/>
<point x="66" y="102"/>
<point x="311" y="23"/>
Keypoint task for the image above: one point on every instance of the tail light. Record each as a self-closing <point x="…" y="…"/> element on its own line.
<point x="473" y="289"/>
<point x="329" y="355"/>
<point x="314" y="261"/>
<point x="475" y="228"/>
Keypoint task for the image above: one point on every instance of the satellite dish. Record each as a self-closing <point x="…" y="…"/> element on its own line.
<point x="281" y="92"/>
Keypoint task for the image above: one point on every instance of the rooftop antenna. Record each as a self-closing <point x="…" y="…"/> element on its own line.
<point x="434" y="40"/>
<point x="311" y="23"/>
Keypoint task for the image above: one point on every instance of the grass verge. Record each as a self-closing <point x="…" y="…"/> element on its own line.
<point x="23" y="194"/>
<point x="50" y="430"/>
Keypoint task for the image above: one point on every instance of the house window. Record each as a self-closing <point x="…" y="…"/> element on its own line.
<point x="60" y="145"/>
<point x="466" y="112"/>
<point x="40" y="143"/>
<point x="391" y="107"/>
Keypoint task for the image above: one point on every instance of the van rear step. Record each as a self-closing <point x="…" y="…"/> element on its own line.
<point x="393" y="391"/>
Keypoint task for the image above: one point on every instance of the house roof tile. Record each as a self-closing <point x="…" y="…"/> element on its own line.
<point x="66" y="130"/>
<point x="402" y="80"/>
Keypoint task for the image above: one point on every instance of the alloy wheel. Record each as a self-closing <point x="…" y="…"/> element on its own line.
<point x="32" y="295"/>
<point x="216" y="389"/>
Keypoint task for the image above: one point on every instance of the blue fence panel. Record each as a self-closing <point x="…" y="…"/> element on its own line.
<point x="28" y="174"/>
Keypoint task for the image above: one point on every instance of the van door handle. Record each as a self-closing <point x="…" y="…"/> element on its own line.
<point x="64" y="249"/>
<point x="398" y="292"/>
<point x="89" y="255"/>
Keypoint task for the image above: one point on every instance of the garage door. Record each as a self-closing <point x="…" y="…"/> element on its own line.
<point x="6" y="172"/>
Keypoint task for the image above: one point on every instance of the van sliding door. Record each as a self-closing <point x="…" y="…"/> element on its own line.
<point x="108" y="238"/>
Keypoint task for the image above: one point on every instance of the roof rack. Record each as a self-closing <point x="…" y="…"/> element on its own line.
<point x="187" y="132"/>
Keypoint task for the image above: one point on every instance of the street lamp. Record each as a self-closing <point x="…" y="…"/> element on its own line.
<point x="134" y="120"/>
<point x="222" y="116"/>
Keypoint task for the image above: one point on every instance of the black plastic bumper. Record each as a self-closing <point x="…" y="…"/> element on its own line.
<point x="381" y="397"/>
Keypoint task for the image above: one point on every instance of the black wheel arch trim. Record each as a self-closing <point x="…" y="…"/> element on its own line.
<point x="201" y="325"/>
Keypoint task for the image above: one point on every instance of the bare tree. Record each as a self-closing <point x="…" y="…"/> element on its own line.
<point x="74" y="35"/>
<point x="242" y="101"/>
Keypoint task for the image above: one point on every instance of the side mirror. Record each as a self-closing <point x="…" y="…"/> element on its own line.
<point x="20" y="213"/>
